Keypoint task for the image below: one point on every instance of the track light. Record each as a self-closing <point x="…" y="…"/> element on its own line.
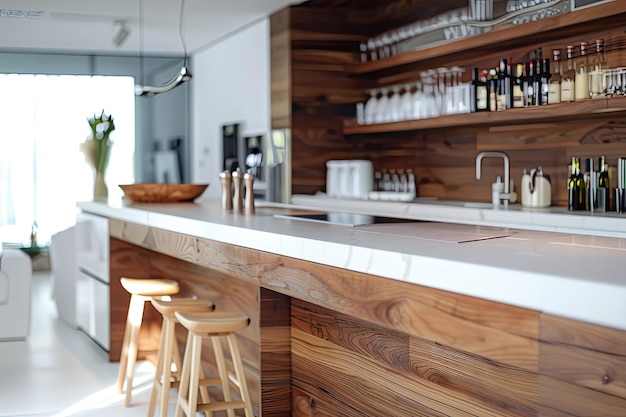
<point x="147" y="90"/>
<point x="121" y="33"/>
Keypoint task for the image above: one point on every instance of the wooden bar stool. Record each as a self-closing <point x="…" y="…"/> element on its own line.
<point x="216" y="326"/>
<point x="141" y="290"/>
<point x="164" y="378"/>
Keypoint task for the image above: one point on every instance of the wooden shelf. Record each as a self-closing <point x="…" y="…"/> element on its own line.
<point x="601" y="17"/>
<point x="586" y="109"/>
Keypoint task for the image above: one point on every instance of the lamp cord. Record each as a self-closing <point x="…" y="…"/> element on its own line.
<point x="180" y="31"/>
<point x="141" y="42"/>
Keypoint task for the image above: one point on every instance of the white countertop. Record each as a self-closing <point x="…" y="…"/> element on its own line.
<point x="550" y="219"/>
<point x="571" y="275"/>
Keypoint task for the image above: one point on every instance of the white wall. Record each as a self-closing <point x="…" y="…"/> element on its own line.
<point x="230" y="84"/>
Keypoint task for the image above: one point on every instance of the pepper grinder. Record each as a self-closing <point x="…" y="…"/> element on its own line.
<point x="227" y="190"/>
<point x="248" y="179"/>
<point x="238" y="194"/>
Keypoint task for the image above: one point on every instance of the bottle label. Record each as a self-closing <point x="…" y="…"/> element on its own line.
<point x="481" y="97"/>
<point x="596" y="84"/>
<point x="518" y="96"/>
<point x="582" y="86"/>
<point x="501" y="102"/>
<point x="554" y="92"/>
<point x="567" y="90"/>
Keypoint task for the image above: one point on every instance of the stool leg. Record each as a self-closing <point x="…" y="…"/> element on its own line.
<point x="183" y="387"/>
<point x="223" y="373"/>
<point x="159" y="371"/>
<point x="241" y="376"/>
<point x="124" y="353"/>
<point x="136" y="316"/>
<point x="194" y="376"/>
<point x="170" y="341"/>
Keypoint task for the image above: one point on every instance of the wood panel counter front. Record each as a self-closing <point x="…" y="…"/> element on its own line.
<point x="328" y="340"/>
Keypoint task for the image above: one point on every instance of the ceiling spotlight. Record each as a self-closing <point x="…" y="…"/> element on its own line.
<point x="121" y="33"/>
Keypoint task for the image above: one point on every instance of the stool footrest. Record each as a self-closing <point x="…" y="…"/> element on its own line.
<point x="210" y="382"/>
<point x="229" y="405"/>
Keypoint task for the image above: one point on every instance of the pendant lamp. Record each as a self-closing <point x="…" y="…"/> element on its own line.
<point x="183" y="75"/>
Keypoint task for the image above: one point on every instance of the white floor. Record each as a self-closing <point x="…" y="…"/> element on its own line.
<point x="60" y="372"/>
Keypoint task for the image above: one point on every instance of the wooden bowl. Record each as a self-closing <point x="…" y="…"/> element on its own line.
<point x="162" y="193"/>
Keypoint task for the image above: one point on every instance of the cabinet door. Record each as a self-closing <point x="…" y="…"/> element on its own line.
<point x="100" y="313"/>
<point x="92" y="245"/>
<point x="84" y="295"/>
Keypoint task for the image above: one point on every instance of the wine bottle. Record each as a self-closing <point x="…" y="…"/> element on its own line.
<point x="582" y="75"/>
<point x="603" y="194"/>
<point x="544" y="83"/>
<point x="493" y="90"/>
<point x="576" y="187"/>
<point x="568" y="82"/>
<point x="504" y="86"/>
<point x="554" y="87"/>
<point x="530" y="84"/>
<point x="518" y="86"/>
<point x="596" y="87"/>
<point x="479" y="93"/>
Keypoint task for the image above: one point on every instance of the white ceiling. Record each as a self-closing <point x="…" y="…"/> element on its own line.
<point x="88" y="26"/>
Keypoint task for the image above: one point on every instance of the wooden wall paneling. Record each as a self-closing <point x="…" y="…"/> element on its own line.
<point x="280" y="69"/>
<point x="585" y="354"/>
<point x="321" y="94"/>
<point x="583" y="368"/>
<point x="558" y="398"/>
<point x="456" y="373"/>
<point x="275" y="354"/>
<point x="356" y="385"/>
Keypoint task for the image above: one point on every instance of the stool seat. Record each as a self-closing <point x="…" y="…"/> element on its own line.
<point x="221" y="322"/>
<point x="150" y="287"/>
<point x="189" y="305"/>
<point x="141" y="290"/>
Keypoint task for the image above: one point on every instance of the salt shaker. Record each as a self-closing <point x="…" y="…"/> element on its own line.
<point x="248" y="179"/>
<point x="226" y="182"/>
<point x="238" y="194"/>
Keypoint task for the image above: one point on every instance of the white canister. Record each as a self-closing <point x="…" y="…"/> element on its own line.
<point x="349" y="178"/>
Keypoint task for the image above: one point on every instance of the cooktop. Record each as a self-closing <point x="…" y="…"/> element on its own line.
<point x="344" y="219"/>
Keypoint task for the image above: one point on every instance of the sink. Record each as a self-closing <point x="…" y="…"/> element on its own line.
<point x="474" y="204"/>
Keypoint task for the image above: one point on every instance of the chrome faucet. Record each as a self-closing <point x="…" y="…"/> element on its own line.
<point x="505" y="196"/>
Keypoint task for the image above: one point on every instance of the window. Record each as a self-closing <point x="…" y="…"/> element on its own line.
<point x="43" y="121"/>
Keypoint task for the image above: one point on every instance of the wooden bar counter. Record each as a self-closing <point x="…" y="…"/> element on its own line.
<point x="350" y="322"/>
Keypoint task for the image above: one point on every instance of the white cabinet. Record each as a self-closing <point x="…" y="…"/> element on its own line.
<point x="92" y="279"/>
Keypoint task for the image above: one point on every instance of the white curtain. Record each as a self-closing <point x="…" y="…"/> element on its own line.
<point x="43" y="120"/>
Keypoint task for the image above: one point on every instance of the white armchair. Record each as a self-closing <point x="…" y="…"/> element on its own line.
<point x="16" y="275"/>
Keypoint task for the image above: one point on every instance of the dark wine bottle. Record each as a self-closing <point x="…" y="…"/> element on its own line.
<point x="544" y="83"/>
<point x="576" y="187"/>
<point x="529" y="85"/>
<point x="479" y="91"/>
<point x="517" y="89"/>
<point x="603" y="195"/>
<point x="505" y="100"/>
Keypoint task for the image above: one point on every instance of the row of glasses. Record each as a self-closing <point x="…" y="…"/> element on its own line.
<point x="438" y="92"/>
<point x="614" y="82"/>
<point x="387" y="44"/>
<point x="548" y="8"/>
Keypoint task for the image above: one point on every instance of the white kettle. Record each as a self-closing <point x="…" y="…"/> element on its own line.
<point x="536" y="189"/>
